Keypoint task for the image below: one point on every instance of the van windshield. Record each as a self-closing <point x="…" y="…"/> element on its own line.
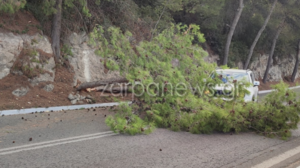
<point x="230" y="76"/>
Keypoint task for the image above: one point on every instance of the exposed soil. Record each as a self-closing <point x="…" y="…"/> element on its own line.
<point x="38" y="97"/>
<point x="20" y="23"/>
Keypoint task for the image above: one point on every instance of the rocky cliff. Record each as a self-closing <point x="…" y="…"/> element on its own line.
<point x="280" y="67"/>
<point x="29" y="55"/>
<point x="24" y="54"/>
<point x="87" y="65"/>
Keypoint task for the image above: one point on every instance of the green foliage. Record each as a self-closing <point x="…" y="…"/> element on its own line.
<point x="43" y="10"/>
<point x="35" y="60"/>
<point x="16" y="31"/>
<point x="11" y="6"/>
<point x="25" y="30"/>
<point x="33" y="41"/>
<point x="224" y="67"/>
<point x="125" y="121"/>
<point x="82" y="3"/>
<point x="48" y="7"/>
<point x="66" y="51"/>
<point x="207" y="11"/>
<point x="238" y="52"/>
<point x="32" y="52"/>
<point x="151" y="62"/>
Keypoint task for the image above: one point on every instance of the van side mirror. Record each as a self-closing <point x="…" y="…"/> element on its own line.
<point x="256" y="83"/>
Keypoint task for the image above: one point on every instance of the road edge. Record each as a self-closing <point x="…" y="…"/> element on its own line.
<point x="57" y="108"/>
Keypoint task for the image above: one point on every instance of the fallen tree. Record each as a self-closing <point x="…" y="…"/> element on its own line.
<point x="163" y="97"/>
<point x="115" y="88"/>
<point x="101" y="82"/>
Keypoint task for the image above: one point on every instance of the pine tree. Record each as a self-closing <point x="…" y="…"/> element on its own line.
<point x="176" y="96"/>
<point x="258" y="35"/>
<point x="232" y="28"/>
<point x="296" y="63"/>
<point x="56" y="8"/>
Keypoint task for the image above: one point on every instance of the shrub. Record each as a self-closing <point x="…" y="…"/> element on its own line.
<point x="11" y="6"/>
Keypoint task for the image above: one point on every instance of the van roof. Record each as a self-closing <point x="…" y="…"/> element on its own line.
<point x="233" y="70"/>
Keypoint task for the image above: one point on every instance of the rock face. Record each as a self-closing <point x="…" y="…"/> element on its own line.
<point x="47" y="67"/>
<point x="76" y="98"/>
<point x="49" y="88"/>
<point x="86" y="63"/>
<point x="280" y="68"/>
<point x="20" y="92"/>
<point x="10" y="48"/>
<point x="212" y="58"/>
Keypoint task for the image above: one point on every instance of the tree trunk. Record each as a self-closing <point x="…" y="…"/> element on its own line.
<point x="272" y="51"/>
<point x="232" y="28"/>
<point x="102" y="82"/>
<point x="297" y="63"/>
<point x="56" y="28"/>
<point x="259" y="34"/>
<point x="114" y="88"/>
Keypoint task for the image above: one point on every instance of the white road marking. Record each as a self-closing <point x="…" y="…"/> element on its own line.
<point x="277" y="159"/>
<point x="59" y="143"/>
<point x="54" y="142"/>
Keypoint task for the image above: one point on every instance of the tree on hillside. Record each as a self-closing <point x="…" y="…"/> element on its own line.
<point x="258" y="35"/>
<point x="164" y="9"/>
<point x="296" y="63"/>
<point x="279" y="29"/>
<point x="289" y="14"/>
<point x="201" y="12"/>
<point x="231" y="32"/>
<point x="56" y="9"/>
<point x="56" y="28"/>
<point x="293" y="16"/>
<point x="206" y="13"/>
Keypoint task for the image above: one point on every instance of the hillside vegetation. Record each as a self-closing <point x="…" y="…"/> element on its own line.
<point x="147" y="18"/>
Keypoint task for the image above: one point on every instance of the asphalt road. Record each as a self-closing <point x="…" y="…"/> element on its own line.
<point x="80" y="138"/>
